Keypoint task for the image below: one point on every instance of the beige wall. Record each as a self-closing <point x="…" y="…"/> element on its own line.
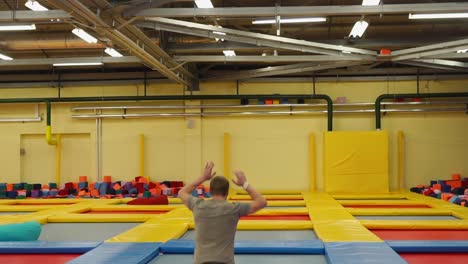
<point x="272" y="150"/>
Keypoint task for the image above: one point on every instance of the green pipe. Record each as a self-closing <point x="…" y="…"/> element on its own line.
<point x="378" y="118"/>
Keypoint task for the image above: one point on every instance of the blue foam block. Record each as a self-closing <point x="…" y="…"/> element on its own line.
<point x="361" y="252"/>
<point x="46" y="247"/>
<point x="119" y="253"/>
<point x="27" y="231"/>
<point x="429" y="246"/>
<point x="184" y="246"/>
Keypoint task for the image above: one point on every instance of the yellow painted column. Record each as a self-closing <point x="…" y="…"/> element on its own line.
<point x="401" y="160"/>
<point x="312" y="163"/>
<point x="58" y="159"/>
<point x="142" y="156"/>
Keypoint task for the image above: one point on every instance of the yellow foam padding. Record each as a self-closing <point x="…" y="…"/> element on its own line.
<point x="99" y="218"/>
<point x="7" y="208"/>
<point x="10" y="219"/>
<point x="286" y="203"/>
<point x="382" y="202"/>
<point x="356" y="162"/>
<point x="274" y="192"/>
<point x="290" y="211"/>
<point x="343" y="231"/>
<point x="110" y="208"/>
<point x="415" y="224"/>
<point x="389" y="196"/>
<point x="461" y="213"/>
<point x="314" y="196"/>
<point x="269" y="197"/>
<point x="35" y="207"/>
<point x="324" y="203"/>
<point x="174" y="200"/>
<point x="49" y="201"/>
<point x="398" y="211"/>
<point x="6" y="202"/>
<point x="274" y="225"/>
<point x="434" y="202"/>
<point x="324" y="214"/>
<point x="151" y="232"/>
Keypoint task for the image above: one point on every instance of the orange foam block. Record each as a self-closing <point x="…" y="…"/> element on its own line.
<point x="456" y="176"/>
<point x="454" y="184"/>
<point x="107" y="178"/>
<point x="437" y="187"/>
<point x="83" y="178"/>
<point x="94" y="192"/>
<point x="446" y="196"/>
<point x="117" y="187"/>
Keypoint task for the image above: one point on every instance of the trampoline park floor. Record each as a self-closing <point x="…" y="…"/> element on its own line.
<point x="134" y="231"/>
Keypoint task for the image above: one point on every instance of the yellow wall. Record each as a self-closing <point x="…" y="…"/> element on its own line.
<point x="272" y="150"/>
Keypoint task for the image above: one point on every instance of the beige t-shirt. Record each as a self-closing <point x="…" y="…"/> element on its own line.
<point x="215" y="229"/>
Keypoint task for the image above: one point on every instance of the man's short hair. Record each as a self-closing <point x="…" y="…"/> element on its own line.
<point x="219" y="185"/>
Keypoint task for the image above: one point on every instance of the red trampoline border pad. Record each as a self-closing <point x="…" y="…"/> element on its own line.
<point x="421" y="234"/>
<point x="435" y="258"/>
<point x="37" y="258"/>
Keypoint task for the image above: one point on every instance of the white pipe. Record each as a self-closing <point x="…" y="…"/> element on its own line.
<point x="99" y="146"/>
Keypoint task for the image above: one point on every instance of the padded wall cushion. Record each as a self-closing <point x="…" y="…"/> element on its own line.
<point x="28" y="231"/>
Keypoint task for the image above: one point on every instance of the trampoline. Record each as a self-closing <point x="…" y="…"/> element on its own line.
<point x="421" y="234"/>
<point x="81" y="232"/>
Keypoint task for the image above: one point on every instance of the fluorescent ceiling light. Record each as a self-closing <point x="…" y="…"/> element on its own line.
<point x="359" y="29"/>
<point x="17" y="27"/>
<point x="35" y="6"/>
<point x="77" y="64"/>
<point x="346" y="52"/>
<point x="229" y="53"/>
<point x="4" y="57"/>
<point x="370" y="2"/>
<point x="84" y="36"/>
<point x="291" y="20"/>
<point x="462" y="51"/>
<point x="112" y="52"/>
<point x="436" y="16"/>
<point x="204" y="3"/>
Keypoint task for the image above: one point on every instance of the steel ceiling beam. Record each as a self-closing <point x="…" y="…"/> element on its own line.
<point x="448" y="63"/>
<point x="197" y="29"/>
<point x="139" y="5"/>
<point x="430" y="50"/>
<point x="428" y="65"/>
<point x="31" y="16"/>
<point x="286" y="69"/>
<point x="86" y="16"/>
<point x="284" y="11"/>
<point x="265" y="59"/>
